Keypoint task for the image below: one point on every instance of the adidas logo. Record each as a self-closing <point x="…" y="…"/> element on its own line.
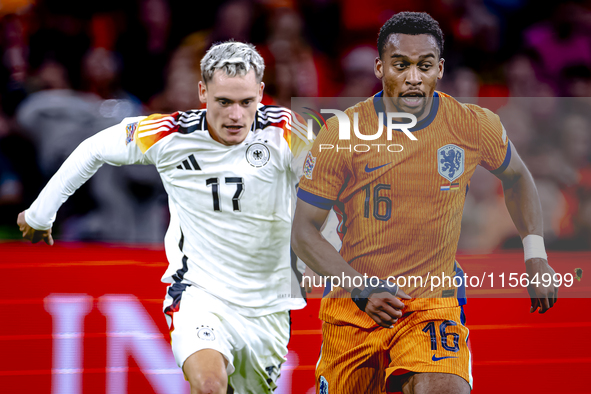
<point x="190" y="163"/>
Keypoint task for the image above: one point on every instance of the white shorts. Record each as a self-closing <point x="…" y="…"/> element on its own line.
<point x="254" y="347"/>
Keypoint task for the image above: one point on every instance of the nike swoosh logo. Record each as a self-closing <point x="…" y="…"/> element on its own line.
<point x="368" y="169"/>
<point x="440" y="358"/>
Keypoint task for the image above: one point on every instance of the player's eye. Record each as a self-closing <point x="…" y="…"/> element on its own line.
<point x="400" y="66"/>
<point x="224" y="103"/>
<point x="425" y="66"/>
<point x="246" y="103"/>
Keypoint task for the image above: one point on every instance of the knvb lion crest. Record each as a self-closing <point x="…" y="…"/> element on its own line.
<point x="450" y="162"/>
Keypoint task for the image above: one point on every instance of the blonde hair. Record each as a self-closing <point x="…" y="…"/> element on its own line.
<point x="235" y="58"/>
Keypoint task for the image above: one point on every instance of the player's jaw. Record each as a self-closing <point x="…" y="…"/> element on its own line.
<point x="234" y="123"/>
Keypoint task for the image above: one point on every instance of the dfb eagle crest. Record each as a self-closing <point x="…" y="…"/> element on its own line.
<point x="450" y="161"/>
<point x="257" y="155"/>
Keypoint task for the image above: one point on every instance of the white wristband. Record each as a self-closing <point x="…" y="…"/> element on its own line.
<point x="533" y="247"/>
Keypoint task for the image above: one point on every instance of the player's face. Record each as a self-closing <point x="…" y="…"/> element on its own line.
<point x="231" y="105"/>
<point x="409" y="68"/>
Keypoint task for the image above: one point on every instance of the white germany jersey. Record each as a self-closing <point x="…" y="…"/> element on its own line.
<point x="230" y="206"/>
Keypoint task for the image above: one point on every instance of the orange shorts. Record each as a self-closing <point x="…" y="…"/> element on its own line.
<point x="355" y="360"/>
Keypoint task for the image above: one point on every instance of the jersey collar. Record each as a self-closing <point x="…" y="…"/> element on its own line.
<point x="378" y="104"/>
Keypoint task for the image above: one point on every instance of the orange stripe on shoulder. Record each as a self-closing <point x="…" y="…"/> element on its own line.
<point x="287" y="136"/>
<point x="153" y="128"/>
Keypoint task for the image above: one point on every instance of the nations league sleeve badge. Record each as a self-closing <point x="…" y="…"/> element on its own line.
<point x="129" y="132"/>
<point x="257" y="155"/>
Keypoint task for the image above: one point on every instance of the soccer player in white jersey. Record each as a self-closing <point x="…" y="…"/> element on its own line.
<point x="228" y="174"/>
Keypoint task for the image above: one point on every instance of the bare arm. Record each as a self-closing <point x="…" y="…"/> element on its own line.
<point x="523" y="204"/>
<point x="521" y="197"/>
<point x="309" y="244"/>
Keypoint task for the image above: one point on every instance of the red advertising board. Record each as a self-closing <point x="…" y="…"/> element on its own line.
<point x="87" y="318"/>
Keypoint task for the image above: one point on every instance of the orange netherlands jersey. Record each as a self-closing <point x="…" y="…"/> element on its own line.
<point x="400" y="201"/>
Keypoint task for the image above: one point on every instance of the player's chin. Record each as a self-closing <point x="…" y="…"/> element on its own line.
<point x="414" y="109"/>
<point x="235" y="137"/>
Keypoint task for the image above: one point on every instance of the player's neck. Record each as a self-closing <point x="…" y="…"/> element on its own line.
<point x="213" y="134"/>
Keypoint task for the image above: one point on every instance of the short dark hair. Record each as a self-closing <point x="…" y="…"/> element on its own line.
<point x="413" y="23"/>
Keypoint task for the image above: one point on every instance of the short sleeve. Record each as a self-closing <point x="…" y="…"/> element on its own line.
<point x="494" y="149"/>
<point x="324" y="169"/>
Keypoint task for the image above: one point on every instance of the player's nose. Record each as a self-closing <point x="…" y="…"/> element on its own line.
<point x="414" y="76"/>
<point x="235" y="112"/>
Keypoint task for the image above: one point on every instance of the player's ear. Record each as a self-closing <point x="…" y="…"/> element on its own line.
<point x="440" y="74"/>
<point x="202" y="92"/>
<point x="378" y="68"/>
<point x="261" y="91"/>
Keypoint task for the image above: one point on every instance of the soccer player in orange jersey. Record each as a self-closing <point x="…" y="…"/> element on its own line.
<point x="400" y="212"/>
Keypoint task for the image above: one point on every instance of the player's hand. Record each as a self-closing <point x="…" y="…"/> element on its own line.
<point x="30" y="233"/>
<point x="541" y="296"/>
<point x="384" y="308"/>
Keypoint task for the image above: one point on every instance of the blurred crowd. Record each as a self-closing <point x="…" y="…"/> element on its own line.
<point x="69" y="69"/>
